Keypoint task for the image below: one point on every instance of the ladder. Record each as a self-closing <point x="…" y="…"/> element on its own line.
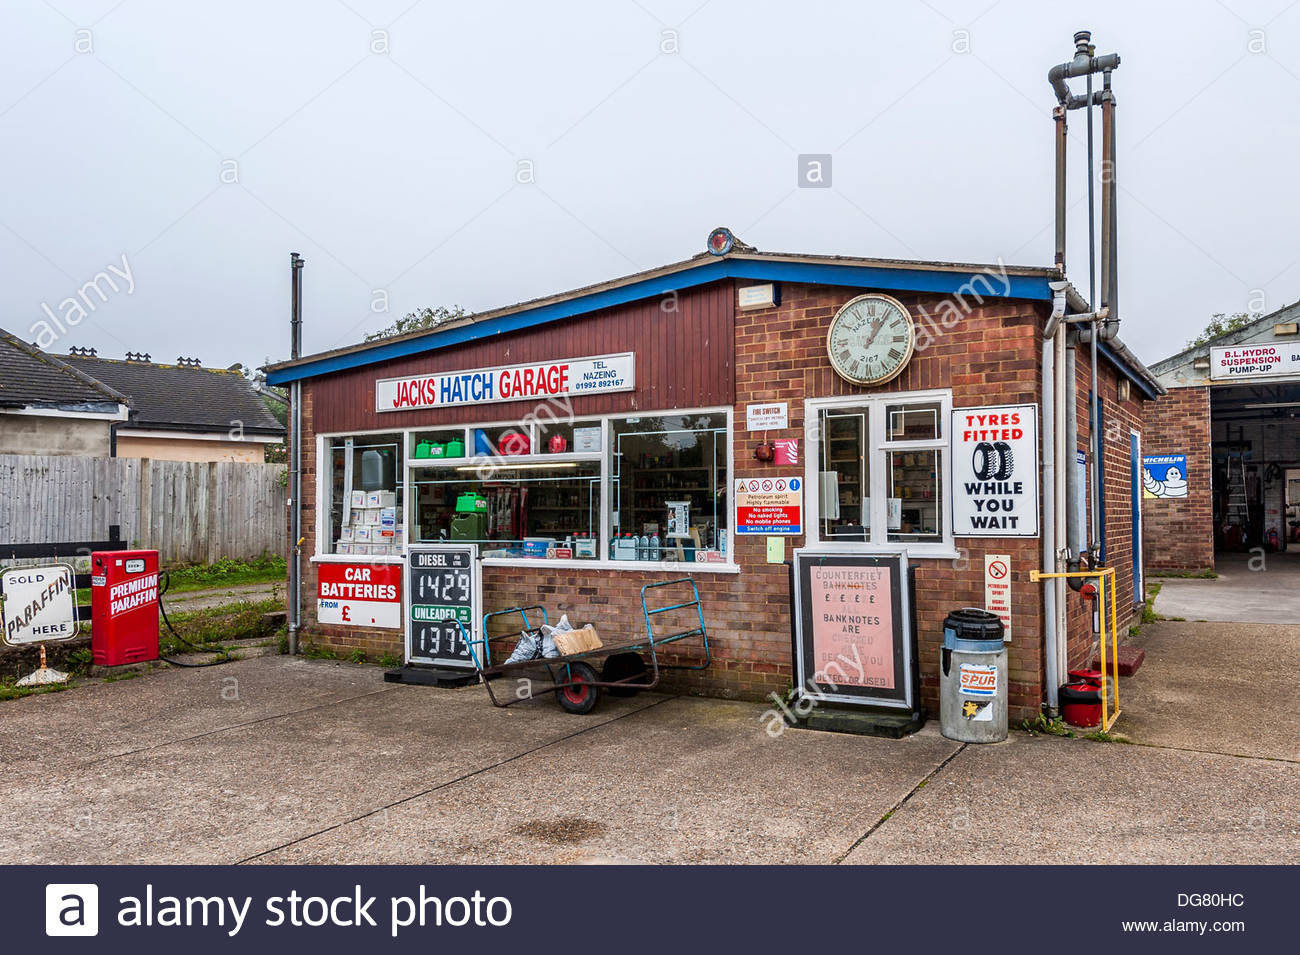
<point x="1237" y="510"/>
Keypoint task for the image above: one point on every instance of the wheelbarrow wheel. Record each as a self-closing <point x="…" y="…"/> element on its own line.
<point x="621" y="666"/>
<point x="581" y="697"/>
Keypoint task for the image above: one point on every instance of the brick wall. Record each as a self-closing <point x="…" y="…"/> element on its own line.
<point x="991" y="357"/>
<point x="1178" y="534"/>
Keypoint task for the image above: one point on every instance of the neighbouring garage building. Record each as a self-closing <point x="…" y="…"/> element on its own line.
<point x="633" y="406"/>
<point x="1222" y="471"/>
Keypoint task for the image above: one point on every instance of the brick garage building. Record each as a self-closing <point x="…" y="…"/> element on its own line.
<point x="705" y="340"/>
<point x="1231" y="421"/>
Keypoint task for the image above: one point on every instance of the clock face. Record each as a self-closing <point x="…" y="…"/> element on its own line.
<point x="871" y="339"/>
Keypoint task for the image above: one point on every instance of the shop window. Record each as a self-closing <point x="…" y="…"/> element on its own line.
<point x="434" y="446"/>
<point x="547" y="509"/>
<point x="913" y="422"/>
<point x="845" y="479"/>
<point x="914" y="499"/>
<point x="668" y="488"/>
<point x="510" y="441"/>
<point x="564" y="437"/>
<point x="882" y="470"/>
<point x="366" y="495"/>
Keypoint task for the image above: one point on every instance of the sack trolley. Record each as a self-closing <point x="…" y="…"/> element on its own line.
<point x="629" y="666"/>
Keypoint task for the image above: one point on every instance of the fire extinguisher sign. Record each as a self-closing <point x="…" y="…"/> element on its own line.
<point x="995" y="471"/>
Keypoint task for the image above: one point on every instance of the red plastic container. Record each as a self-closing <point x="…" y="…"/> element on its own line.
<point x="123" y="606"/>
<point x="1081" y="704"/>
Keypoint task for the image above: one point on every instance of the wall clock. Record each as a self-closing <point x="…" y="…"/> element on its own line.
<point x="871" y="339"/>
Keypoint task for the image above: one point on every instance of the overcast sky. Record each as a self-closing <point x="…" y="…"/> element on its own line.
<point x="193" y="145"/>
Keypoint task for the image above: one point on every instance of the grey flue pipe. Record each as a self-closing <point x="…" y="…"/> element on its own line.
<point x="295" y="502"/>
<point x="1106" y="323"/>
<point x="1053" y="488"/>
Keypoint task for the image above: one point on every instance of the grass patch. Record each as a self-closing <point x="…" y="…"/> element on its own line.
<point x="226" y="572"/>
<point x="1185" y="574"/>
<point x="1101" y="736"/>
<point x="212" y="627"/>
<point x="1149" y="608"/>
<point x="1040" y="724"/>
<point x="390" y="661"/>
<point x="10" y="691"/>
<point x="314" y="651"/>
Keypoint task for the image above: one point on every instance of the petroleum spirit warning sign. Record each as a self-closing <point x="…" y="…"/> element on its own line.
<point x="538" y="380"/>
<point x="995" y="471"/>
<point x="362" y="595"/>
<point x="769" y="505"/>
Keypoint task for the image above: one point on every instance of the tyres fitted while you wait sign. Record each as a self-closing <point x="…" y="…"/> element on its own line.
<point x="995" y="471"/>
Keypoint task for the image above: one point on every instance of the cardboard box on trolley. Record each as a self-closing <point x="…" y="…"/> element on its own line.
<point x="124" y="606"/>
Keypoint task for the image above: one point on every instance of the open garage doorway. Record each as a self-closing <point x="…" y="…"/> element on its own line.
<point x="1228" y="425"/>
<point x="1255" y="450"/>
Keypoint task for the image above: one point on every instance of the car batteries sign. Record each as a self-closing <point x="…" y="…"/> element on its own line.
<point x="38" y="604"/>
<point x="361" y="595"/>
<point x="536" y="380"/>
<point x="995" y="471"/>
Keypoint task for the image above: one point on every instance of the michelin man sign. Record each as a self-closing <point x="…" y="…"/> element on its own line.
<point x="1164" y="475"/>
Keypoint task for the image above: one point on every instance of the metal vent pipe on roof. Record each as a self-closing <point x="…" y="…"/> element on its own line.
<point x="296" y="263"/>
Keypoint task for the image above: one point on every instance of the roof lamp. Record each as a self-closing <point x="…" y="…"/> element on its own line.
<point x="721" y="241"/>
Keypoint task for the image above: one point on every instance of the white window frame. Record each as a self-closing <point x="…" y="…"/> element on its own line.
<point x="877" y="473"/>
<point x="603" y="562"/>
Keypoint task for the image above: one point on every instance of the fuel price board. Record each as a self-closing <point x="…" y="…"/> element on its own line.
<point x="444" y="600"/>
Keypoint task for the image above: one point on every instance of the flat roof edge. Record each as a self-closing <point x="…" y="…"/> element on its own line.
<point x="1017" y="282"/>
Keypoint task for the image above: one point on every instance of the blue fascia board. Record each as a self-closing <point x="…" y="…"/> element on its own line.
<point x="951" y="282"/>
<point x="1126" y="371"/>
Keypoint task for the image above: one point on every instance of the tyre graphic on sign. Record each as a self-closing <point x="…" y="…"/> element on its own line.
<point x="993" y="462"/>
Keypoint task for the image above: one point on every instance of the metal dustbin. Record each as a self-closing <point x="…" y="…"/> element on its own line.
<point x="973" y="678"/>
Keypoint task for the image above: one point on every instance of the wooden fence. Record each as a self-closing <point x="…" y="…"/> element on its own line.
<point x="190" y="512"/>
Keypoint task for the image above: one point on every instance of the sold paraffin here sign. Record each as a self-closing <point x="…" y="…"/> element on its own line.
<point x="995" y="471"/>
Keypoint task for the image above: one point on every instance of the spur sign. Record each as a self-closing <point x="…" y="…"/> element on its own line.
<point x="535" y="380"/>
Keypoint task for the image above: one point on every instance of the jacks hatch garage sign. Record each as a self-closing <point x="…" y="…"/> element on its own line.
<point x="995" y="471"/>
<point x="543" y="379"/>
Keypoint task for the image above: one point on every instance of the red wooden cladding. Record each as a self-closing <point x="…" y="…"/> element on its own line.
<point x="684" y="359"/>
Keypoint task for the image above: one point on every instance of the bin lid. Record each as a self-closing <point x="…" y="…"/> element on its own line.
<point x="970" y="625"/>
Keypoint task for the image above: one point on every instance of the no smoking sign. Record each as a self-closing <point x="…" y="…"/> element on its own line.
<point x="997" y="589"/>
